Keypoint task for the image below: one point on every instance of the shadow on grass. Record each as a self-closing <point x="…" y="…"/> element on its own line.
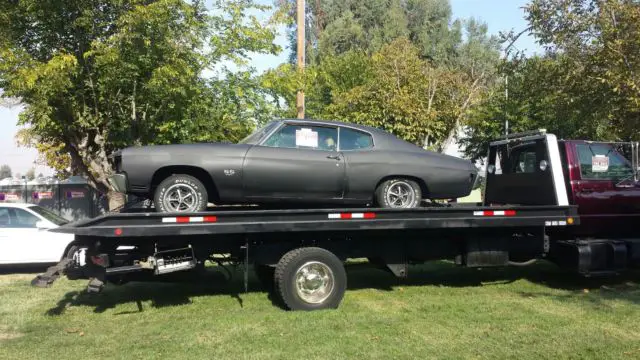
<point x="179" y="289"/>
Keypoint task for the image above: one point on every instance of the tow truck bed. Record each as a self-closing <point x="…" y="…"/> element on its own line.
<point x="304" y="220"/>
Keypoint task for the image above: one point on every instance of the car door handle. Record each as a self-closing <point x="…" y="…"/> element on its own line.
<point x="334" y="157"/>
<point x="587" y="190"/>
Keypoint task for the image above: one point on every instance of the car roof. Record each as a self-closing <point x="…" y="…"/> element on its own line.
<point x="17" y="205"/>
<point x="383" y="140"/>
<point x="334" y="123"/>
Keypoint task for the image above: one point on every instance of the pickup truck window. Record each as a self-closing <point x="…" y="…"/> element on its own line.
<point x="602" y="162"/>
<point x="525" y="162"/>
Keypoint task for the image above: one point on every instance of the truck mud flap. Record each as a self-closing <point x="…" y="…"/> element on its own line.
<point x="52" y="274"/>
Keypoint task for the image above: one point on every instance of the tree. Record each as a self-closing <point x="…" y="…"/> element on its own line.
<point x="601" y="41"/>
<point x="30" y="174"/>
<point x="5" y="172"/>
<point x="336" y="27"/>
<point x="95" y="76"/>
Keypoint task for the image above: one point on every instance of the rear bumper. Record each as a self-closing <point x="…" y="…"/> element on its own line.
<point x="118" y="183"/>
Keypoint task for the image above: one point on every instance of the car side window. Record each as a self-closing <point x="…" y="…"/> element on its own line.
<point x="304" y="137"/>
<point x="602" y="162"/>
<point x="24" y="219"/>
<point x="351" y="139"/>
<point x="5" y="219"/>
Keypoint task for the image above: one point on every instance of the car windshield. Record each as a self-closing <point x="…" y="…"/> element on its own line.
<point x="49" y="215"/>
<point x="259" y="134"/>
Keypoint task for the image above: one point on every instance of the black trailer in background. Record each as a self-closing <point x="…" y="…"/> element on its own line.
<point x="73" y="199"/>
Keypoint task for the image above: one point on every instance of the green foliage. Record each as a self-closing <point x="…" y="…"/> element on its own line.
<point x="95" y="76"/>
<point x="404" y="66"/>
<point x="601" y="40"/>
<point x="584" y="87"/>
<point x="336" y="27"/>
<point x="5" y="171"/>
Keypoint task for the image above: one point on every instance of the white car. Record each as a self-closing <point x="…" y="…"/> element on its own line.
<point x="25" y="237"/>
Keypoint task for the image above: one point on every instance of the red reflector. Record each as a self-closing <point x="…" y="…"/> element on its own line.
<point x="210" y="219"/>
<point x="509" y="213"/>
<point x="182" y="219"/>
<point x="487" y="213"/>
<point x="97" y="260"/>
<point x="118" y="232"/>
<point x="369" y="215"/>
<point x="345" y="216"/>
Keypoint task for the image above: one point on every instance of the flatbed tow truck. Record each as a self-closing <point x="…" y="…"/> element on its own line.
<point x="531" y="211"/>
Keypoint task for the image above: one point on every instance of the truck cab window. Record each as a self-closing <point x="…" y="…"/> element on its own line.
<point x="524" y="161"/>
<point x="602" y="162"/>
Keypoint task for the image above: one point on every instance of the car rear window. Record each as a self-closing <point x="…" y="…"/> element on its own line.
<point x="351" y="139"/>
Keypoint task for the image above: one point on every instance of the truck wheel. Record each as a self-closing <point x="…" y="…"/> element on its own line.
<point x="180" y="193"/>
<point x="310" y="278"/>
<point x="76" y="254"/>
<point x="399" y="193"/>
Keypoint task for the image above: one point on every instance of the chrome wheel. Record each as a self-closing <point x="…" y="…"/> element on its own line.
<point x="400" y="195"/>
<point x="78" y="257"/>
<point x="181" y="198"/>
<point x="314" y="282"/>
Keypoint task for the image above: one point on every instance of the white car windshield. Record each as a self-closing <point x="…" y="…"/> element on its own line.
<point x="49" y="215"/>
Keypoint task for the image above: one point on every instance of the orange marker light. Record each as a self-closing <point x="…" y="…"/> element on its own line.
<point x="570" y="221"/>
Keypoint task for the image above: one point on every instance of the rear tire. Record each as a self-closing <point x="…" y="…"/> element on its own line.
<point x="310" y="278"/>
<point x="399" y="193"/>
<point x="180" y="193"/>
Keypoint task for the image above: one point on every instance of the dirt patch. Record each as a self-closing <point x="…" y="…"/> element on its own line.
<point x="8" y="334"/>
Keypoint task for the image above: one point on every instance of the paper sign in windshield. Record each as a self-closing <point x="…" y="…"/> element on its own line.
<point x="599" y="163"/>
<point x="306" y="138"/>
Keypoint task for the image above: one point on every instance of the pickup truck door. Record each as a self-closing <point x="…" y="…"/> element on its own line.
<point x="296" y="162"/>
<point x="608" y="199"/>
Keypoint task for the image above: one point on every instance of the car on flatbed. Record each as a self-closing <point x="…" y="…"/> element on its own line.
<point x="293" y="161"/>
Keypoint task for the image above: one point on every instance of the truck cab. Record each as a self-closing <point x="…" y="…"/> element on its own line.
<point x="599" y="177"/>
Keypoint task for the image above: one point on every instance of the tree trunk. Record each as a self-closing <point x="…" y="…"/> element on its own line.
<point x="116" y="200"/>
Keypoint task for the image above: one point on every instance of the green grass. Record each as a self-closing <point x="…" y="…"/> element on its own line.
<point x="441" y="312"/>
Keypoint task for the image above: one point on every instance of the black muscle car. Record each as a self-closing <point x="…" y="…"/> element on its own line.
<point x="293" y="161"/>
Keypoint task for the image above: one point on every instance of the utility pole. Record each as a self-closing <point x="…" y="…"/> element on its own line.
<point x="301" y="52"/>
<point x="506" y="105"/>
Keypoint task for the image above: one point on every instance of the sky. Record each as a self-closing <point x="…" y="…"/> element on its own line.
<point x="500" y="15"/>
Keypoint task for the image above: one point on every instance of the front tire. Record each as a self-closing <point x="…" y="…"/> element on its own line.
<point x="399" y="193"/>
<point x="180" y="193"/>
<point x="310" y="278"/>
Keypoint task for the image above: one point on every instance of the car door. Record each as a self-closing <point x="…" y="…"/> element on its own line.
<point x="10" y="245"/>
<point x="297" y="162"/>
<point x="608" y="199"/>
<point x="18" y="233"/>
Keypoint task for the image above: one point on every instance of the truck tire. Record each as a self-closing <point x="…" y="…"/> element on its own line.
<point x="399" y="193"/>
<point x="180" y="193"/>
<point x="310" y="278"/>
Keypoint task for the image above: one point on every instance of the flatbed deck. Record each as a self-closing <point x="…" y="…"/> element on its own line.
<point x="300" y="220"/>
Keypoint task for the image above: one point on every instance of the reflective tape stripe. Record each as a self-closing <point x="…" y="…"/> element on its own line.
<point x="347" y="216"/>
<point x="495" y="213"/>
<point x="189" y="219"/>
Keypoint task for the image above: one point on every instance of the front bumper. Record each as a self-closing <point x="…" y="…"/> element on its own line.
<point x="118" y="183"/>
